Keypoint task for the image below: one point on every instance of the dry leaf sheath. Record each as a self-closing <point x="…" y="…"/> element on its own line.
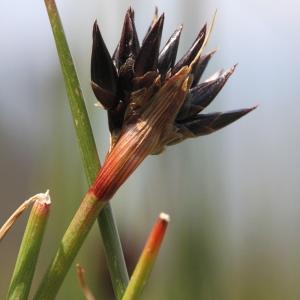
<point x="152" y="102"/>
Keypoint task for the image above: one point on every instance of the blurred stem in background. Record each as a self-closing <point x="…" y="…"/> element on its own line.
<point x="91" y="162"/>
<point x="82" y="282"/>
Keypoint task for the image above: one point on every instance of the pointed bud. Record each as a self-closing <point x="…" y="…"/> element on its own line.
<point x="129" y="43"/>
<point x="204" y="124"/>
<point x="192" y="53"/>
<point x="153" y="21"/>
<point x="103" y="72"/>
<point x="200" y="67"/>
<point x="148" y="55"/>
<point x="203" y="94"/>
<point x="167" y="56"/>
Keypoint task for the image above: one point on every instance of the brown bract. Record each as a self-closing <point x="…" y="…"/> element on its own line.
<point x="143" y="135"/>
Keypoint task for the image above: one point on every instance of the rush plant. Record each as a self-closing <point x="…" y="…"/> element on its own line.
<point x="152" y="101"/>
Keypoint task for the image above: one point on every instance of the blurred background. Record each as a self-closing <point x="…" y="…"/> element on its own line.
<point x="233" y="196"/>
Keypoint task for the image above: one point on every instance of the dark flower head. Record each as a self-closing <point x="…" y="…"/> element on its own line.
<point x="139" y="77"/>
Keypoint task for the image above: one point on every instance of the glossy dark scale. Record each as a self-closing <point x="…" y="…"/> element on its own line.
<point x="134" y="67"/>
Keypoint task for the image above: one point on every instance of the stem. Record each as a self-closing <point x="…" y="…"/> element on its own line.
<point x="132" y="147"/>
<point x="124" y="158"/>
<point x="28" y="254"/>
<point x="79" y="113"/>
<point x="91" y="162"/>
<point x="69" y="246"/>
<point x="145" y="264"/>
<point x="113" y="251"/>
<point x="136" y="142"/>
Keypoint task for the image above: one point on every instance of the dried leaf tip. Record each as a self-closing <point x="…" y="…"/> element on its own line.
<point x="44" y="198"/>
<point x="41" y="198"/>
<point x="165" y="217"/>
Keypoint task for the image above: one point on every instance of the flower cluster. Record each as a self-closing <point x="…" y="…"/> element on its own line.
<point x="140" y="78"/>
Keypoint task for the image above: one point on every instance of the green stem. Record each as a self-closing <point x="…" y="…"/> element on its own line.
<point x="107" y="224"/>
<point x="123" y="159"/>
<point x="114" y="255"/>
<point x="28" y="254"/>
<point x="69" y="246"/>
<point x="79" y="113"/>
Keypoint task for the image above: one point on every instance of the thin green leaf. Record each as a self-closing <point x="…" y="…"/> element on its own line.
<point x="29" y="250"/>
<point x="91" y="162"/>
